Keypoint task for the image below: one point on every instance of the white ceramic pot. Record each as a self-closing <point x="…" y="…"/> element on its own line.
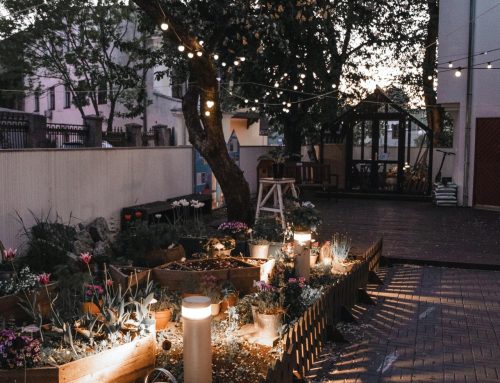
<point x="269" y="326"/>
<point x="259" y="251"/>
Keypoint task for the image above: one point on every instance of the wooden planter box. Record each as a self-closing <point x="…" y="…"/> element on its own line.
<point x="125" y="276"/>
<point x="184" y="277"/>
<point x="125" y="364"/>
<point x="10" y="308"/>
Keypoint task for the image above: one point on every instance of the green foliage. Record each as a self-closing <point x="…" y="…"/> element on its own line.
<point x="304" y="217"/>
<point x="268" y="228"/>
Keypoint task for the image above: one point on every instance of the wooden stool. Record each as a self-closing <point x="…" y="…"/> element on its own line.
<point x="278" y="188"/>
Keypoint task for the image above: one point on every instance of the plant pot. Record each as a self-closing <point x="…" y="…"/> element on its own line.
<point x="162" y="318"/>
<point x="159" y="257"/>
<point x="269" y="325"/>
<point x="278" y="171"/>
<point x="215" y="308"/>
<point x="313" y="259"/>
<point x="259" y="251"/>
<point x="229" y="301"/>
<point x="274" y="247"/>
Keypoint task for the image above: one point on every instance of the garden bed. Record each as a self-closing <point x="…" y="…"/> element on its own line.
<point x="124" y="364"/>
<point x="131" y="276"/>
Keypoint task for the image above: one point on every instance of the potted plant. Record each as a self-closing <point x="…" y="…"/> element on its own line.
<point x="259" y="248"/>
<point x="315" y="251"/>
<point x="189" y="224"/>
<point x="268" y="310"/>
<point x="210" y="287"/>
<point x="92" y="299"/>
<point x="341" y="245"/>
<point x="270" y="229"/>
<point x="165" y="307"/>
<point x="229" y="296"/>
<point x="220" y="247"/>
<point x="237" y="230"/>
<point x="278" y="158"/>
<point x="304" y="218"/>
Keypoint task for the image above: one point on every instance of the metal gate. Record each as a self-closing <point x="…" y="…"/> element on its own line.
<point x="487" y="162"/>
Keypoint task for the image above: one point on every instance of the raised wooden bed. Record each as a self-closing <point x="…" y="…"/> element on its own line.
<point x="130" y="275"/>
<point x="183" y="276"/>
<point x="305" y="339"/>
<point x="10" y="308"/>
<point x="125" y="364"/>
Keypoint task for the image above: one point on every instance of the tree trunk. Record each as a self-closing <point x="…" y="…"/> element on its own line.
<point x="434" y="111"/>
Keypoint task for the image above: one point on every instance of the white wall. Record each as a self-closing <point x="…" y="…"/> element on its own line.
<point x="453" y="44"/>
<point x="87" y="183"/>
<point x="248" y="163"/>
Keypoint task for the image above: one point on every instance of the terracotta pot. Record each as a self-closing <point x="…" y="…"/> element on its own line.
<point x="313" y="259"/>
<point x="162" y="318"/>
<point x="229" y="301"/>
<point x="215" y="307"/>
<point x="91" y="308"/>
<point x="269" y="325"/>
<point x="259" y="251"/>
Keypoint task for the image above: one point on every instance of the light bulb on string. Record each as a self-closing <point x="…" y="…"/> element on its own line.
<point x="181" y="48"/>
<point x="288" y="105"/>
<point x="284" y="102"/>
<point x="302" y="75"/>
<point x="207" y="113"/>
<point x="488" y="66"/>
<point x="256" y="101"/>
<point x="429" y="77"/>
<point x="224" y="64"/>
<point x="246" y="101"/>
<point x="199" y="53"/>
<point x="334" y="86"/>
<point x="164" y="26"/>
<point x="236" y="63"/>
<point x="267" y="93"/>
<point x="276" y="84"/>
<point x="295" y="87"/>
<point x="242" y="59"/>
<point x="285" y="74"/>
<point x="253" y="108"/>
<point x="216" y="57"/>
<point x="450" y="65"/>
<point x="210" y="104"/>
<point x="458" y="72"/>
<point x="190" y="55"/>
<point x="202" y="42"/>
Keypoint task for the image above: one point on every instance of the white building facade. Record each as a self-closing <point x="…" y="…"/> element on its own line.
<point x="469" y="89"/>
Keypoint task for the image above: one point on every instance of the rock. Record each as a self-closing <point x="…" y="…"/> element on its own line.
<point x="102" y="249"/>
<point x="84" y="236"/>
<point x="82" y="247"/>
<point x="98" y="229"/>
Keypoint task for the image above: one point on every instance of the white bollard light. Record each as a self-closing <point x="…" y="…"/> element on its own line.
<point x="302" y="250"/>
<point x="197" y="354"/>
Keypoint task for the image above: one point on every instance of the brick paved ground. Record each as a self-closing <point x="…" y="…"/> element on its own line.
<point x="429" y="325"/>
<point x="417" y="230"/>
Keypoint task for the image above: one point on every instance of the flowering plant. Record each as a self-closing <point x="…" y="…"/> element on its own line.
<point x="93" y="291"/>
<point x="304" y="217"/>
<point x="24" y="281"/>
<point x="210" y="287"/>
<point x="233" y="227"/>
<point x="315" y="249"/>
<point x="9" y="255"/>
<point x="17" y="350"/>
<point x="268" y="299"/>
<point x="219" y="244"/>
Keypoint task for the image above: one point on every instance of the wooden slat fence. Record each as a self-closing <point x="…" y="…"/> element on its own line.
<point x="305" y="339"/>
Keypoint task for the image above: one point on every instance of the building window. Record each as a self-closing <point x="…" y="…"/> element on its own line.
<point x="37" y="101"/>
<point x="52" y="98"/>
<point x="102" y="94"/>
<point x="67" y="97"/>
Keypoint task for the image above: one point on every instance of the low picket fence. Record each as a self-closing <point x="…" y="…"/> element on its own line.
<point x="305" y="339"/>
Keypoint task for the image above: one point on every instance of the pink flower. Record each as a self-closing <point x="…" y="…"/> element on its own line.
<point x="302" y="280"/>
<point x="292" y="280"/>
<point x="86" y="258"/>
<point x="44" y="278"/>
<point x="109" y="282"/>
<point x="9" y="255"/>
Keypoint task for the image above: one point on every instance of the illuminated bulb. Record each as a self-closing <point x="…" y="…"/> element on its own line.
<point x="429" y="77"/>
<point x="246" y="101"/>
<point x="450" y="65"/>
<point x="190" y="55"/>
<point x="285" y="74"/>
<point x="199" y="53"/>
<point x="181" y="48"/>
<point x="207" y="113"/>
<point x="302" y="75"/>
<point x="256" y="101"/>
<point x="164" y="26"/>
<point x="253" y="109"/>
<point x="302" y="237"/>
<point x="284" y="102"/>
<point x="276" y="84"/>
<point x="202" y="42"/>
<point x="488" y="66"/>
<point x="216" y="57"/>
<point x="224" y="64"/>
<point x="458" y="72"/>
<point x="210" y="104"/>
<point x="288" y="105"/>
<point x="267" y="93"/>
<point x="236" y="62"/>
<point x="242" y="59"/>
<point x="334" y="86"/>
<point x="295" y="87"/>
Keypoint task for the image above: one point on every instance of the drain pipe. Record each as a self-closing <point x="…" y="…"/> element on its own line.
<point x="468" y="111"/>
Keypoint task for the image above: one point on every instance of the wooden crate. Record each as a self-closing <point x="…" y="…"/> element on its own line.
<point x="125" y="364"/>
<point x="305" y="339"/>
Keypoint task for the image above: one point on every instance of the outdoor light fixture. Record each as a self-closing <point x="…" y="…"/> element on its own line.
<point x="488" y="66"/>
<point x="289" y="105"/>
<point x="429" y="77"/>
<point x="224" y="64"/>
<point x="197" y="342"/>
<point x="334" y="86"/>
<point x="210" y="104"/>
<point x="216" y="57"/>
<point x="236" y="62"/>
<point x="450" y="65"/>
<point x="242" y="59"/>
<point x="202" y="42"/>
<point x="301" y="248"/>
<point x="246" y="101"/>
<point x="276" y="84"/>
<point x="302" y="75"/>
<point x="181" y="48"/>
<point x="458" y="72"/>
<point x="199" y="53"/>
<point x="190" y="55"/>
<point x="253" y="108"/>
<point x="164" y="26"/>
<point x="302" y="237"/>
<point x="295" y="87"/>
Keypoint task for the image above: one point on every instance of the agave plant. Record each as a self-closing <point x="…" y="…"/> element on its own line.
<point x="341" y="245"/>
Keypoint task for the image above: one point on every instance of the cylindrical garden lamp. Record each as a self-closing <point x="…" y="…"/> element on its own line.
<point x="197" y="354"/>
<point x="302" y="250"/>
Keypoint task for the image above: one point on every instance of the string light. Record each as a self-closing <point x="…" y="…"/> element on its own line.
<point x="295" y="87"/>
<point x="288" y="105"/>
<point x="190" y="55"/>
<point x="207" y="113"/>
<point x="488" y="66"/>
<point x="284" y="102"/>
<point x="429" y="77"/>
<point x="450" y="65"/>
<point x="302" y="75"/>
<point x="256" y="101"/>
<point x="246" y="101"/>
<point x="202" y="42"/>
<point x="236" y="63"/>
<point x="276" y="84"/>
<point x="164" y="26"/>
<point x="224" y="64"/>
<point x="458" y="72"/>
<point x="216" y="57"/>
<point x="210" y="104"/>
<point x="181" y="48"/>
<point x="199" y="53"/>
<point x="242" y="59"/>
<point x="334" y="86"/>
<point x="253" y="108"/>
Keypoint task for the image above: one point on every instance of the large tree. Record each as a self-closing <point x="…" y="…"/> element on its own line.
<point x="94" y="49"/>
